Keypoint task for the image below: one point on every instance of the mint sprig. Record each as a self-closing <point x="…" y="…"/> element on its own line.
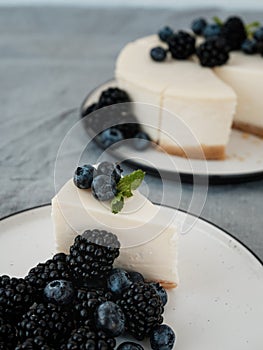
<point x="125" y="186"/>
<point x="218" y="21"/>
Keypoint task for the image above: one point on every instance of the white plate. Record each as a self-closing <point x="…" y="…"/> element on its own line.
<point x="218" y="304"/>
<point x="244" y="159"/>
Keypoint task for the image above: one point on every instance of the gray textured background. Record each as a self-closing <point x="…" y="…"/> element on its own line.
<point x="50" y="58"/>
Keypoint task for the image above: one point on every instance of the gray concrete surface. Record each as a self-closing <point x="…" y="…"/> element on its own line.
<point x="50" y="58"/>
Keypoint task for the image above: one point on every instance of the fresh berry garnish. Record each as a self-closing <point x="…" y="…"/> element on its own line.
<point x="181" y="45"/>
<point x="141" y="141"/>
<point x="59" y="292"/>
<point x="161" y="291"/>
<point x="213" y="52"/>
<point x="118" y="280"/>
<point x="103" y="187"/>
<point x="198" y="26"/>
<point x="136" y="276"/>
<point x="113" y="96"/>
<point x="91" y="108"/>
<point x="110" y="318"/>
<point x="143" y="309"/>
<point x="83" y="176"/>
<point x="92" y="255"/>
<point x="86" y="303"/>
<point x="162" y="337"/>
<point x="234" y="31"/>
<point x="110" y="136"/>
<point x="129" y="345"/>
<point x="212" y="30"/>
<point x="7" y="333"/>
<point x="109" y="169"/>
<point x="165" y="33"/>
<point x="158" y="54"/>
<point x="249" y="47"/>
<point x="53" y="269"/>
<point x="258" y="34"/>
<point x="36" y="343"/>
<point x="86" y="338"/>
<point x="46" y="320"/>
<point x="16" y="295"/>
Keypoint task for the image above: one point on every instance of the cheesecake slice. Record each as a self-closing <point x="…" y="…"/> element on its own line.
<point x="147" y="233"/>
<point x="194" y="108"/>
<point x="244" y="73"/>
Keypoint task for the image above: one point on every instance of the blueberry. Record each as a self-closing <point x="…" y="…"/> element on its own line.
<point x="161" y="292"/>
<point x="162" y="338"/>
<point x="212" y="30"/>
<point x="165" y="33"/>
<point x="110" y="136"/>
<point x="249" y="47"/>
<point x="110" y="318"/>
<point x="103" y="187"/>
<point x="198" y="26"/>
<point x="59" y="292"/>
<point x="129" y="345"/>
<point x="109" y="169"/>
<point x="136" y="276"/>
<point x="141" y="141"/>
<point x="118" y="280"/>
<point x="258" y="34"/>
<point x="158" y="54"/>
<point x="83" y="176"/>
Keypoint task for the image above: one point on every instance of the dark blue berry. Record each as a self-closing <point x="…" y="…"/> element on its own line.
<point x="162" y="338"/>
<point x="129" y="345"/>
<point x="110" y="318"/>
<point x="258" y="35"/>
<point x="141" y="141"/>
<point x="110" y="136"/>
<point x="109" y="169"/>
<point x="83" y="176"/>
<point x="165" y="33"/>
<point x="198" y="26"/>
<point x="118" y="280"/>
<point x="59" y="292"/>
<point x="103" y="187"/>
<point x="212" y="30"/>
<point x="158" y="54"/>
<point x="249" y="47"/>
<point x="161" y="292"/>
<point x="136" y="276"/>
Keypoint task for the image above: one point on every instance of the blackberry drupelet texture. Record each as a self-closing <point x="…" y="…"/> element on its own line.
<point x="36" y="343"/>
<point x="213" y="53"/>
<point x="234" y="31"/>
<point x="7" y="334"/>
<point x="113" y="96"/>
<point x="181" y="45"/>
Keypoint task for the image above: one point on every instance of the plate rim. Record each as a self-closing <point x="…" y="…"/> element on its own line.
<point x="224" y="231"/>
<point x="214" y="179"/>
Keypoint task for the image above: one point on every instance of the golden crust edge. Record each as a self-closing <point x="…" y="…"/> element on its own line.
<point x="249" y="128"/>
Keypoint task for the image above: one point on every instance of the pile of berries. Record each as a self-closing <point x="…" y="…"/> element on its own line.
<point x="79" y="301"/>
<point x="102" y="180"/>
<point x="116" y="122"/>
<point x="220" y="38"/>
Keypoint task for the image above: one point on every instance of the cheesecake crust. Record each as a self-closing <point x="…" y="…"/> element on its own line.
<point x="203" y="152"/>
<point x="249" y="128"/>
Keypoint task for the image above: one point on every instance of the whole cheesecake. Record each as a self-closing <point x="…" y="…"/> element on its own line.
<point x="147" y="233"/>
<point x="197" y="106"/>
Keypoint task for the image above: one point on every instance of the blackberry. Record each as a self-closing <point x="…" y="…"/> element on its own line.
<point x="91" y="108"/>
<point x="53" y="269"/>
<point x="92" y="255"/>
<point x="234" y="31"/>
<point x="158" y="54"/>
<point x="213" y="53"/>
<point x="7" y="334"/>
<point x="181" y="45"/>
<point x="113" y="96"/>
<point x="165" y="33"/>
<point x="45" y="320"/>
<point x="16" y="295"/>
<point x="198" y="26"/>
<point x="87" y="301"/>
<point x="37" y="343"/>
<point x="143" y="309"/>
<point x="84" y="338"/>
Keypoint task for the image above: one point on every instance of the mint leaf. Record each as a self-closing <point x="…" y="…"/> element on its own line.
<point x="218" y="21"/>
<point x="125" y="186"/>
<point x="117" y="203"/>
